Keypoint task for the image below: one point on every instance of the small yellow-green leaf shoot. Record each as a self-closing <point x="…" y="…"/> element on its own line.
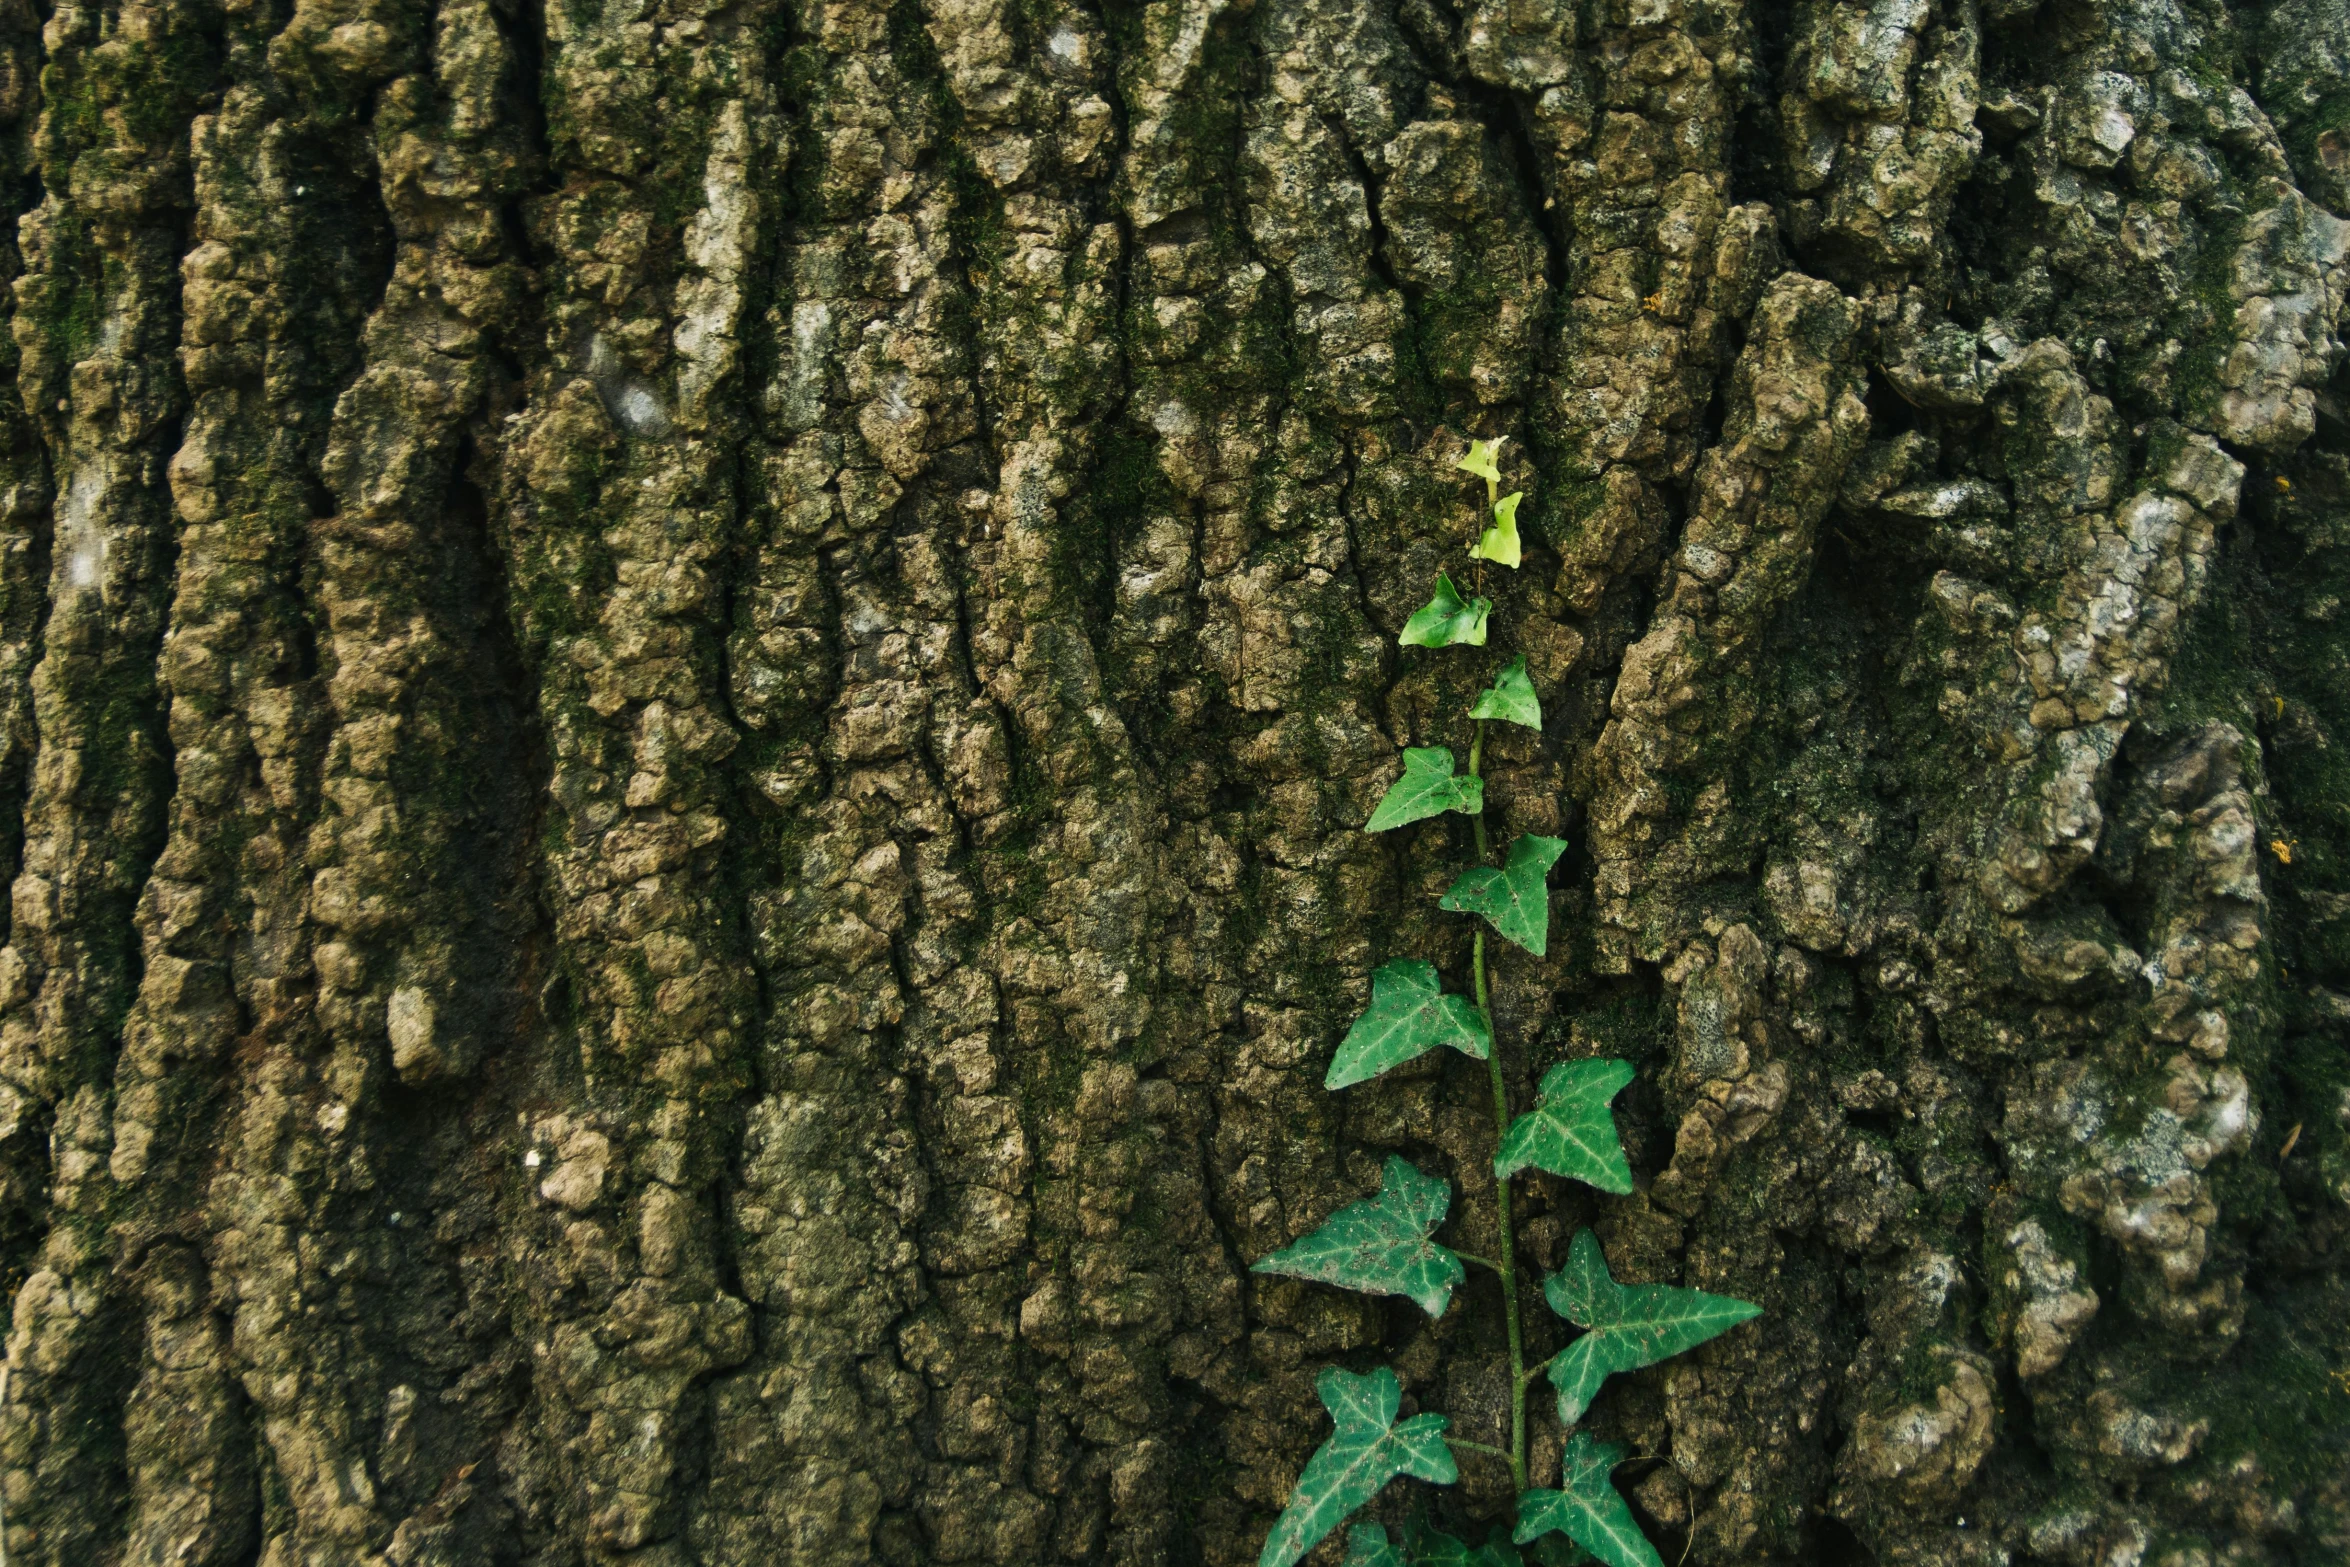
<point x="1499" y="542"/>
<point x="1481" y="462"/>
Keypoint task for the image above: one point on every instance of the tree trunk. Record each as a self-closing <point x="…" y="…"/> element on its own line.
<point x="686" y="694"/>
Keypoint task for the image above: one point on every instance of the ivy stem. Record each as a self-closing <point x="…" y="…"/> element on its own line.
<point x="1509" y="1246"/>
<point x="1467" y="1446"/>
<point x="1501" y="1186"/>
<point x="1477" y="762"/>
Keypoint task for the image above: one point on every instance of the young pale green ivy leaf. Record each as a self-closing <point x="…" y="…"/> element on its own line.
<point x="1499" y="542"/>
<point x="1367" y="1545"/>
<point x="1511" y="697"/>
<point x="1481" y="460"/>
<point x="1382" y="1246"/>
<point x="1569" y="1131"/>
<point x="1365" y="1451"/>
<point x="1630" y="1325"/>
<point x="1587" y="1508"/>
<point x="1447" y="620"/>
<point x="1515" y="899"/>
<point x="1428" y="787"/>
<point x="1409" y="1016"/>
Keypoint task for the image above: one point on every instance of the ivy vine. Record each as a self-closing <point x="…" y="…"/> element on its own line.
<point x="1386" y="1245"/>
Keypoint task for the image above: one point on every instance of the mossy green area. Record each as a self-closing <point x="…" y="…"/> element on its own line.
<point x="68" y="304"/>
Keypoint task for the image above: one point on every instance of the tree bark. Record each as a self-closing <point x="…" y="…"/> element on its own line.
<point x="686" y="694"/>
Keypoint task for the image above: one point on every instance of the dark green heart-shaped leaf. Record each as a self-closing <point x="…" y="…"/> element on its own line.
<point x="1427" y="788"/>
<point x="1381" y="1247"/>
<point x="1510" y="698"/>
<point x="1497" y="1551"/>
<point x="1367" y="1450"/>
<point x="1435" y="1548"/>
<point x="1446" y="620"/>
<point x="1499" y="542"/>
<point x="1586" y="1508"/>
<point x="1515" y="899"/>
<point x="1367" y="1545"/>
<point x="1410" y="1015"/>
<point x="1569" y="1131"/>
<point x="1631" y="1325"/>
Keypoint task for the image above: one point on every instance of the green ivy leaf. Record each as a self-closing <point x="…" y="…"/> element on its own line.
<point x="1422" y="1546"/>
<point x="1367" y="1546"/>
<point x="1481" y="459"/>
<point x="1435" y="1548"/>
<point x="1511" y="698"/>
<point x="1427" y="788"/>
<point x="1382" y="1246"/>
<point x="1365" y="1451"/>
<point x="1587" y="1508"/>
<point x="1499" y="542"/>
<point x="1569" y="1131"/>
<point x="1409" y="1016"/>
<point x="1446" y="620"/>
<point x="1515" y="899"/>
<point x="1496" y="1552"/>
<point x="1631" y="1325"/>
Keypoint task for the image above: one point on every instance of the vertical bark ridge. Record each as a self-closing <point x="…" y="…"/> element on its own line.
<point x="618" y="487"/>
<point x="829" y="1187"/>
<point x="395" y="868"/>
<point x="1630" y="116"/>
<point x="24" y="572"/>
<point x="2052" y="623"/>
<point x="317" y="656"/>
<point x="1031" y="1207"/>
<point x="96" y="326"/>
<point x="223" y="919"/>
<point x="1103" y="1044"/>
<point x="1795" y="419"/>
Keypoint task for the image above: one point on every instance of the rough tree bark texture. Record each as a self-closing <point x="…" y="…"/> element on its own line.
<point x="685" y="688"/>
